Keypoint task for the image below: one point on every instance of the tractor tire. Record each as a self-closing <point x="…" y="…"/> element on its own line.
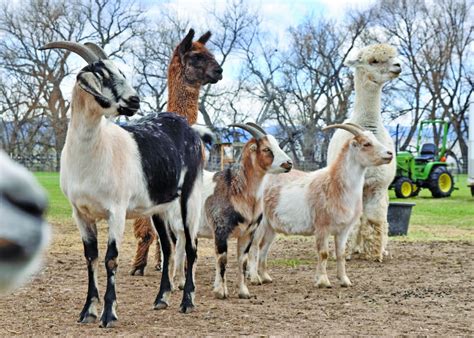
<point x="416" y="190"/>
<point x="440" y="182"/>
<point x="403" y="187"/>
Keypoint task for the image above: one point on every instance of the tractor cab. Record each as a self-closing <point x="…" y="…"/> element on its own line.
<point x="426" y="168"/>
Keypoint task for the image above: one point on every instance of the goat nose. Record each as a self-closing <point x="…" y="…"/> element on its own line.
<point x="219" y="70"/>
<point x="390" y="153"/>
<point x="397" y="65"/>
<point x="134" y="99"/>
<point x="287" y="165"/>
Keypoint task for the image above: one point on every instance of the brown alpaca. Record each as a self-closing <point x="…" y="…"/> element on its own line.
<point x="191" y="66"/>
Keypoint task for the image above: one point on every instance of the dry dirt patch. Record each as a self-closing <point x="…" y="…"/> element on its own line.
<point x="426" y="288"/>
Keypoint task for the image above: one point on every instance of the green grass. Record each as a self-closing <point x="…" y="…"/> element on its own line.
<point x="442" y="218"/>
<point x="59" y="207"/>
<point x="292" y="263"/>
<point x="432" y="219"/>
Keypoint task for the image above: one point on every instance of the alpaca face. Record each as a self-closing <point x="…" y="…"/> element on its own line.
<point x="109" y="87"/>
<point x="377" y="64"/>
<point x="199" y="64"/>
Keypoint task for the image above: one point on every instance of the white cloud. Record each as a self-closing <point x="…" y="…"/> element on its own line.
<point x="336" y="8"/>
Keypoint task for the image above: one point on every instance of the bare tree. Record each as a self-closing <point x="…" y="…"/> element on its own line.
<point x="435" y="42"/>
<point x="38" y="76"/>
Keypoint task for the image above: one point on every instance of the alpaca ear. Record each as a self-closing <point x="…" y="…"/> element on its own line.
<point x="91" y="84"/>
<point x="351" y="63"/>
<point x="187" y="43"/>
<point x="205" y="37"/>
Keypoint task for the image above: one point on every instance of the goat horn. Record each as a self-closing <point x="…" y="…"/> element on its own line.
<point x="97" y="50"/>
<point x="348" y="127"/>
<point x="256" y="126"/>
<point x="255" y="132"/>
<point x="75" y="47"/>
<point x="355" y="125"/>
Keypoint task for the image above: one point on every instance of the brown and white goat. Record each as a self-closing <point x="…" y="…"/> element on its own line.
<point x="192" y="66"/>
<point x="232" y="204"/>
<point x="324" y="202"/>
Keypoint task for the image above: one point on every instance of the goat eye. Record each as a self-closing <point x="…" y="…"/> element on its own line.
<point x="266" y="150"/>
<point x="373" y="62"/>
<point x="367" y="145"/>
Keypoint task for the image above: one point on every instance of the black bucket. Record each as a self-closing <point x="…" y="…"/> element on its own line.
<point x="398" y="218"/>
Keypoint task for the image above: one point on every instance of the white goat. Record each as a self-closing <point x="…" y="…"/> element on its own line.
<point x="23" y="231"/>
<point x="232" y="204"/>
<point x="324" y="202"/>
<point x="374" y="66"/>
<point x="111" y="172"/>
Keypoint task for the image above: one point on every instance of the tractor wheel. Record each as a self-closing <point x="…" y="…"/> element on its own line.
<point x="440" y="182"/>
<point x="416" y="190"/>
<point x="403" y="187"/>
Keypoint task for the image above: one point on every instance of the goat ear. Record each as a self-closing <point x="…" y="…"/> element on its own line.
<point x="187" y="43"/>
<point x="205" y="37"/>
<point x="253" y="147"/>
<point x="91" y="84"/>
<point x="354" y="144"/>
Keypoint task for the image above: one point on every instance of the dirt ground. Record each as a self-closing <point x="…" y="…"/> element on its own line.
<point x="425" y="288"/>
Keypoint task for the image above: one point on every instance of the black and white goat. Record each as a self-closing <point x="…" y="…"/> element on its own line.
<point x="23" y="231"/>
<point x="113" y="173"/>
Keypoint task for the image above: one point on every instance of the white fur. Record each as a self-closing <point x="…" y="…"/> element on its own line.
<point x="17" y="226"/>
<point x="305" y="205"/>
<point x="370" y="236"/>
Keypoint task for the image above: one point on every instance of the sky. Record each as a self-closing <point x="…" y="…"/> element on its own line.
<point x="276" y="14"/>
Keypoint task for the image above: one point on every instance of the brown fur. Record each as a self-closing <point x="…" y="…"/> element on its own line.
<point x="185" y="78"/>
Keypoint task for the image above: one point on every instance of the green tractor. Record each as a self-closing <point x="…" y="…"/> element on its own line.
<point x="426" y="169"/>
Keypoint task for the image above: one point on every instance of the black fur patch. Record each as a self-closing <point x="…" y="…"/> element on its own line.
<point x="167" y="146"/>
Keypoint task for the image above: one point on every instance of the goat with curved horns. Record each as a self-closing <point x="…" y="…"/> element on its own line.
<point x="110" y="172"/>
<point x="324" y="202"/>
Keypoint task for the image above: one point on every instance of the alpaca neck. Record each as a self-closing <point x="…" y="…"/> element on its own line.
<point x="183" y="99"/>
<point x="367" y="103"/>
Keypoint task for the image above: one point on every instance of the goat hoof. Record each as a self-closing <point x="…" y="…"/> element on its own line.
<point x="160" y="305"/>
<point x="108" y="321"/>
<point x="137" y="271"/>
<point x="266" y="279"/>
<point x="186" y="308"/>
<point x="87" y="318"/>
<point x="158" y="267"/>
<point x="345" y="282"/>
<point x="255" y="280"/>
<point x="181" y="286"/>
<point x="244" y="295"/>
<point x="323" y="282"/>
<point x="220" y="293"/>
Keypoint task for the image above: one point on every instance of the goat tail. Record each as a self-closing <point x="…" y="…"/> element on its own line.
<point x="206" y="135"/>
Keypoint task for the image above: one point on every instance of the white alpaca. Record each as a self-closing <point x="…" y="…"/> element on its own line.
<point x="374" y="66"/>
